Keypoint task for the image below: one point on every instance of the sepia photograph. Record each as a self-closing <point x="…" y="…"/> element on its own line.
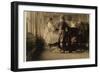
<point x="56" y="36"/>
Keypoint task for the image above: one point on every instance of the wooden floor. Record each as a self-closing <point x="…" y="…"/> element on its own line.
<point x="54" y="54"/>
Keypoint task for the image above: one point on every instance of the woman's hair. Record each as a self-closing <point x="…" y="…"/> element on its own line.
<point x="50" y="19"/>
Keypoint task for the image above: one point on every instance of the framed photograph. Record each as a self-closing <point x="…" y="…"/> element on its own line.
<point x="52" y="36"/>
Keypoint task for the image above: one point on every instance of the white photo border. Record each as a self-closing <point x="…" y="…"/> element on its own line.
<point x="23" y="64"/>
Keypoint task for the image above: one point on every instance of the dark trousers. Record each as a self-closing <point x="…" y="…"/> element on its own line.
<point x="62" y="40"/>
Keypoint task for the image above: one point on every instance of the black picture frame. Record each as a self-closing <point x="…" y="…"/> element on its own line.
<point x="14" y="35"/>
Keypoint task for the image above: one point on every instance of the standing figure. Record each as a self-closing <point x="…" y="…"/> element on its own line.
<point x="63" y="30"/>
<point x="49" y="35"/>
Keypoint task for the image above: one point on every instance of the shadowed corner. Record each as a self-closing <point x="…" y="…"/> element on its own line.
<point x="35" y="47"/>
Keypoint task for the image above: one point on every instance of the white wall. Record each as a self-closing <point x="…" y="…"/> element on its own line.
<point x="5" y="28"/>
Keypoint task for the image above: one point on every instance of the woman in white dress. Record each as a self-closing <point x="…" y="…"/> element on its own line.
<point x="50" y="35"/>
